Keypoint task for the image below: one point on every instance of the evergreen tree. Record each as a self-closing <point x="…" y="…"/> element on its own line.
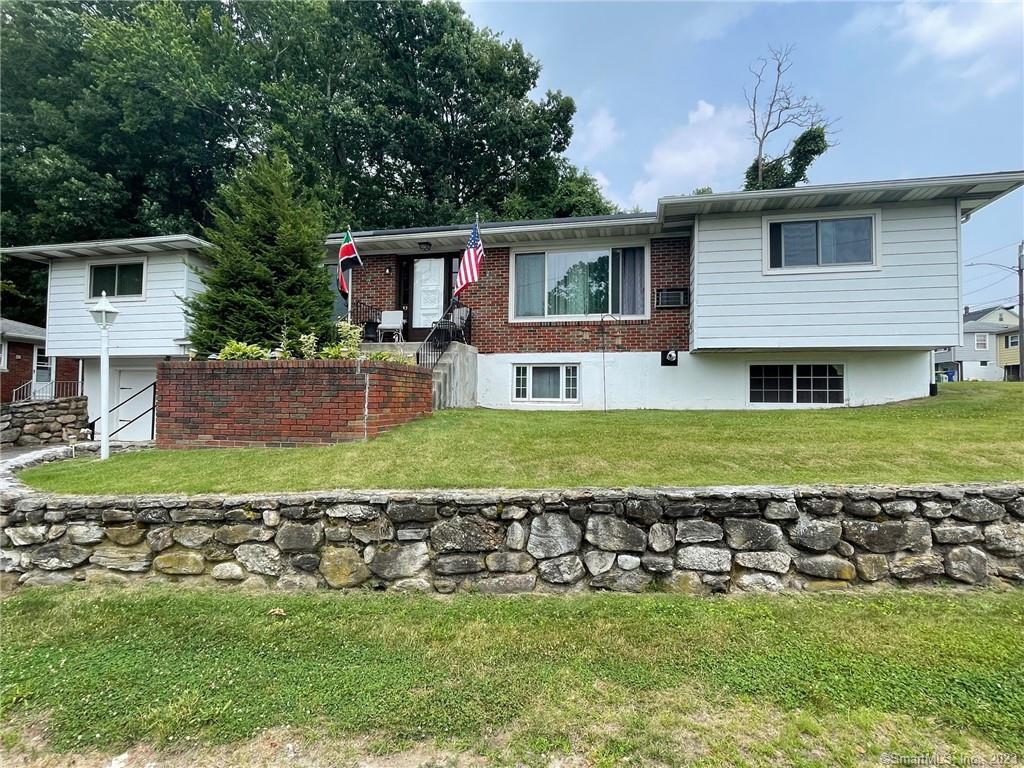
<point x="267" y="275"/>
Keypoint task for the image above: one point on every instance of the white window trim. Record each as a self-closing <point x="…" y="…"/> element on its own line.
<point x="582" y="245"/>
<point x="794" y="363"/>
<point x="3" y="355"/>
<point x="1012" y="341"/>
<point x="561" y="383"/>
<point x="106" y="262"/>
<point x="876" y="242"/>
<point x="978" y="345"/>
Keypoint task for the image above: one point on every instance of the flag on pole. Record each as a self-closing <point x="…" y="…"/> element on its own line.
<point x="348" y="258"/>
<point x="472" y="258"/>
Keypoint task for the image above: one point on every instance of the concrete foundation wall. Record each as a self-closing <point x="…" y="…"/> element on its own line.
<point x="712" y="380"/>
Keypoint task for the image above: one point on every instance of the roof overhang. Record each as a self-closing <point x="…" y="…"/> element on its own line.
<point x="973" y="191"/>
<point x="513" y="233"/>
<point x="13" y="330"/>
<point x="102" y="248"/>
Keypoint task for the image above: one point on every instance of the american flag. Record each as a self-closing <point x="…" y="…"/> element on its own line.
<point x="472" y="258"/>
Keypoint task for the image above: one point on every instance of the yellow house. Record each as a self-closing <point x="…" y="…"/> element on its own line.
<point x="1008" y="353"/>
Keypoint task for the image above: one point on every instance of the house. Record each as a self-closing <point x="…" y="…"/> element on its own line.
<point x="1005" y="313"/>
<point x="818" y="296"/>
<point x="28" y="370"/>
<point x="1008" y="353"/>
<point x="976" y="359"/>
<point x="147" y="279"/>
<point x="808" y="297"/>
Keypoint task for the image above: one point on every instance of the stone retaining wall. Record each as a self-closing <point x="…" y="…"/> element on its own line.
<point x="42" y="422"/>
<point x="226" y="403"/>
<point x="710" y="540"/>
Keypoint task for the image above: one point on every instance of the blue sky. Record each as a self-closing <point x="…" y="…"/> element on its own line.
<point x="920" y="89"/>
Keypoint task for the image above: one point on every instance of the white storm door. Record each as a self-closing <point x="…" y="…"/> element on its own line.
<point x="131" y="381"/>
<point x="427" y="292"/>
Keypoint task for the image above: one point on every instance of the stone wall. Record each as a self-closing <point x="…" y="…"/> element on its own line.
<point x="42" y="422"/>
<point x="222" y="403"/>
<point x="711" y="540"/>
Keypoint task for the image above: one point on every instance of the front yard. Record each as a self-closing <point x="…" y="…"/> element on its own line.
<point x="971" y="431"/>
<point x="605" y="680"/>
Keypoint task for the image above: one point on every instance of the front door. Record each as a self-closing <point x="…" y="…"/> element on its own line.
<point x="129" y="382"/>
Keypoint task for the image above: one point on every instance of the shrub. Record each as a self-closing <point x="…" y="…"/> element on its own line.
<point x="239" y="350"/>
<point x="308" y="343"/>
<point x="346" y="344"/>
<point x="337" y="352"/>
<point x="390" y="357"/>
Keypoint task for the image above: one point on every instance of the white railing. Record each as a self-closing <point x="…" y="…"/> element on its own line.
<point x="47" y="390"/>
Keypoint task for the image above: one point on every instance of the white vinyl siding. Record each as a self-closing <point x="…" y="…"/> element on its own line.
<point x="146" y="325"/>
<point x="909" y="298"/>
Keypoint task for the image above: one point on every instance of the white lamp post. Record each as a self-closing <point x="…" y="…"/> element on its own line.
<point x="104" y="313"/>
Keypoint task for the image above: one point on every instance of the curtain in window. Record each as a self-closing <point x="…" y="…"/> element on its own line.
<point x="547" y="382"/>
<point x="530" y="285"/>
<point x="578" y="283"/>
<point x="628" y="284"/>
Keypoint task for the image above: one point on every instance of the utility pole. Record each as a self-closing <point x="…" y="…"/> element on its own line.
<point x="1020" y="312"/>
<point x="1019" y="269"/>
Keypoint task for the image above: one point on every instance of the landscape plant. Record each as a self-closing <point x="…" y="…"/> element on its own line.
<point x="239" y="350"/>
<point x="266" y="270"/>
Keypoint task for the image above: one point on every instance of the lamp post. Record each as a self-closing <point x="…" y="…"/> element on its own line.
<point x="104" y="313"/>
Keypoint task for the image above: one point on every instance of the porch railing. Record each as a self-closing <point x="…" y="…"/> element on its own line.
<point x="46" y="390"/>
<point x="456" y="324"/>
<point x="367" y="316"/>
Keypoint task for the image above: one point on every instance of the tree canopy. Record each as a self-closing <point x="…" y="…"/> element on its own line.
<point x="122" y="119"/>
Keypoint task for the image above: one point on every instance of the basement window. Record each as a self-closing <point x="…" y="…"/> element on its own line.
<point x="545" y="383"/>
<point x="801" y="383"/>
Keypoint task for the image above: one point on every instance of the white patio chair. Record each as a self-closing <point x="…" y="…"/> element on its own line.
<point x="392" y="322"/>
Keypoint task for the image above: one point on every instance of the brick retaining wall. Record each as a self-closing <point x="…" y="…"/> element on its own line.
<point x="230" y="403"/>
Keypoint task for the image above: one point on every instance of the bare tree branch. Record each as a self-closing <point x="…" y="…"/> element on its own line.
<point x="783" y="108"/>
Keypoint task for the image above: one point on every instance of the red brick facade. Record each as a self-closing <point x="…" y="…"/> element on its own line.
<point x="222" y="403"/>
<point x="19" y="368"/>
<point x="493" y="333"/>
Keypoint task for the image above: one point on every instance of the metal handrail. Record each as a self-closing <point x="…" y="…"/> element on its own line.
<point x="443" y="333"/>
<point x="92" y="424"/>
<point x="47" y="390"/>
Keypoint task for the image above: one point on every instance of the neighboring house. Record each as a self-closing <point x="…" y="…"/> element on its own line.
<point x="28" y="370"/>
<point x="1008" y="351"/>
<point x="976" y="359"/>
<point x="814" y="296"/>
<point x="146" y="279"/>
<point x="1005" y="314"/>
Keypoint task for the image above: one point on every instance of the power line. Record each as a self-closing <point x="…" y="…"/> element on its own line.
<point x="976" y="290"/>
<point x="986" y="253"/>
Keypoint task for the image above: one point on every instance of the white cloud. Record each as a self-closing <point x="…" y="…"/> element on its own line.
<point x="711" y="149"/>
<point x="980" y="43"/>
<point x="598" y="135"/>
<point x="713" y="20"/>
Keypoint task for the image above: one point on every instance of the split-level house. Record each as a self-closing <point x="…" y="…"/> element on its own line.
<point x="978" y="358"/>
<point x="818" y="296"/>
<point x="147" y="279"/>
<point x="807" y="297"/>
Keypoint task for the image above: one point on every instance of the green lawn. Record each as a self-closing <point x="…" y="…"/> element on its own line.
<point x="971" y="431"/>
<point x="654" y="679"/>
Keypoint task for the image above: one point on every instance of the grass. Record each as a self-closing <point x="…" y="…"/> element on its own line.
<point x="971" y="431"/>
<point x="654" y="679"/>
